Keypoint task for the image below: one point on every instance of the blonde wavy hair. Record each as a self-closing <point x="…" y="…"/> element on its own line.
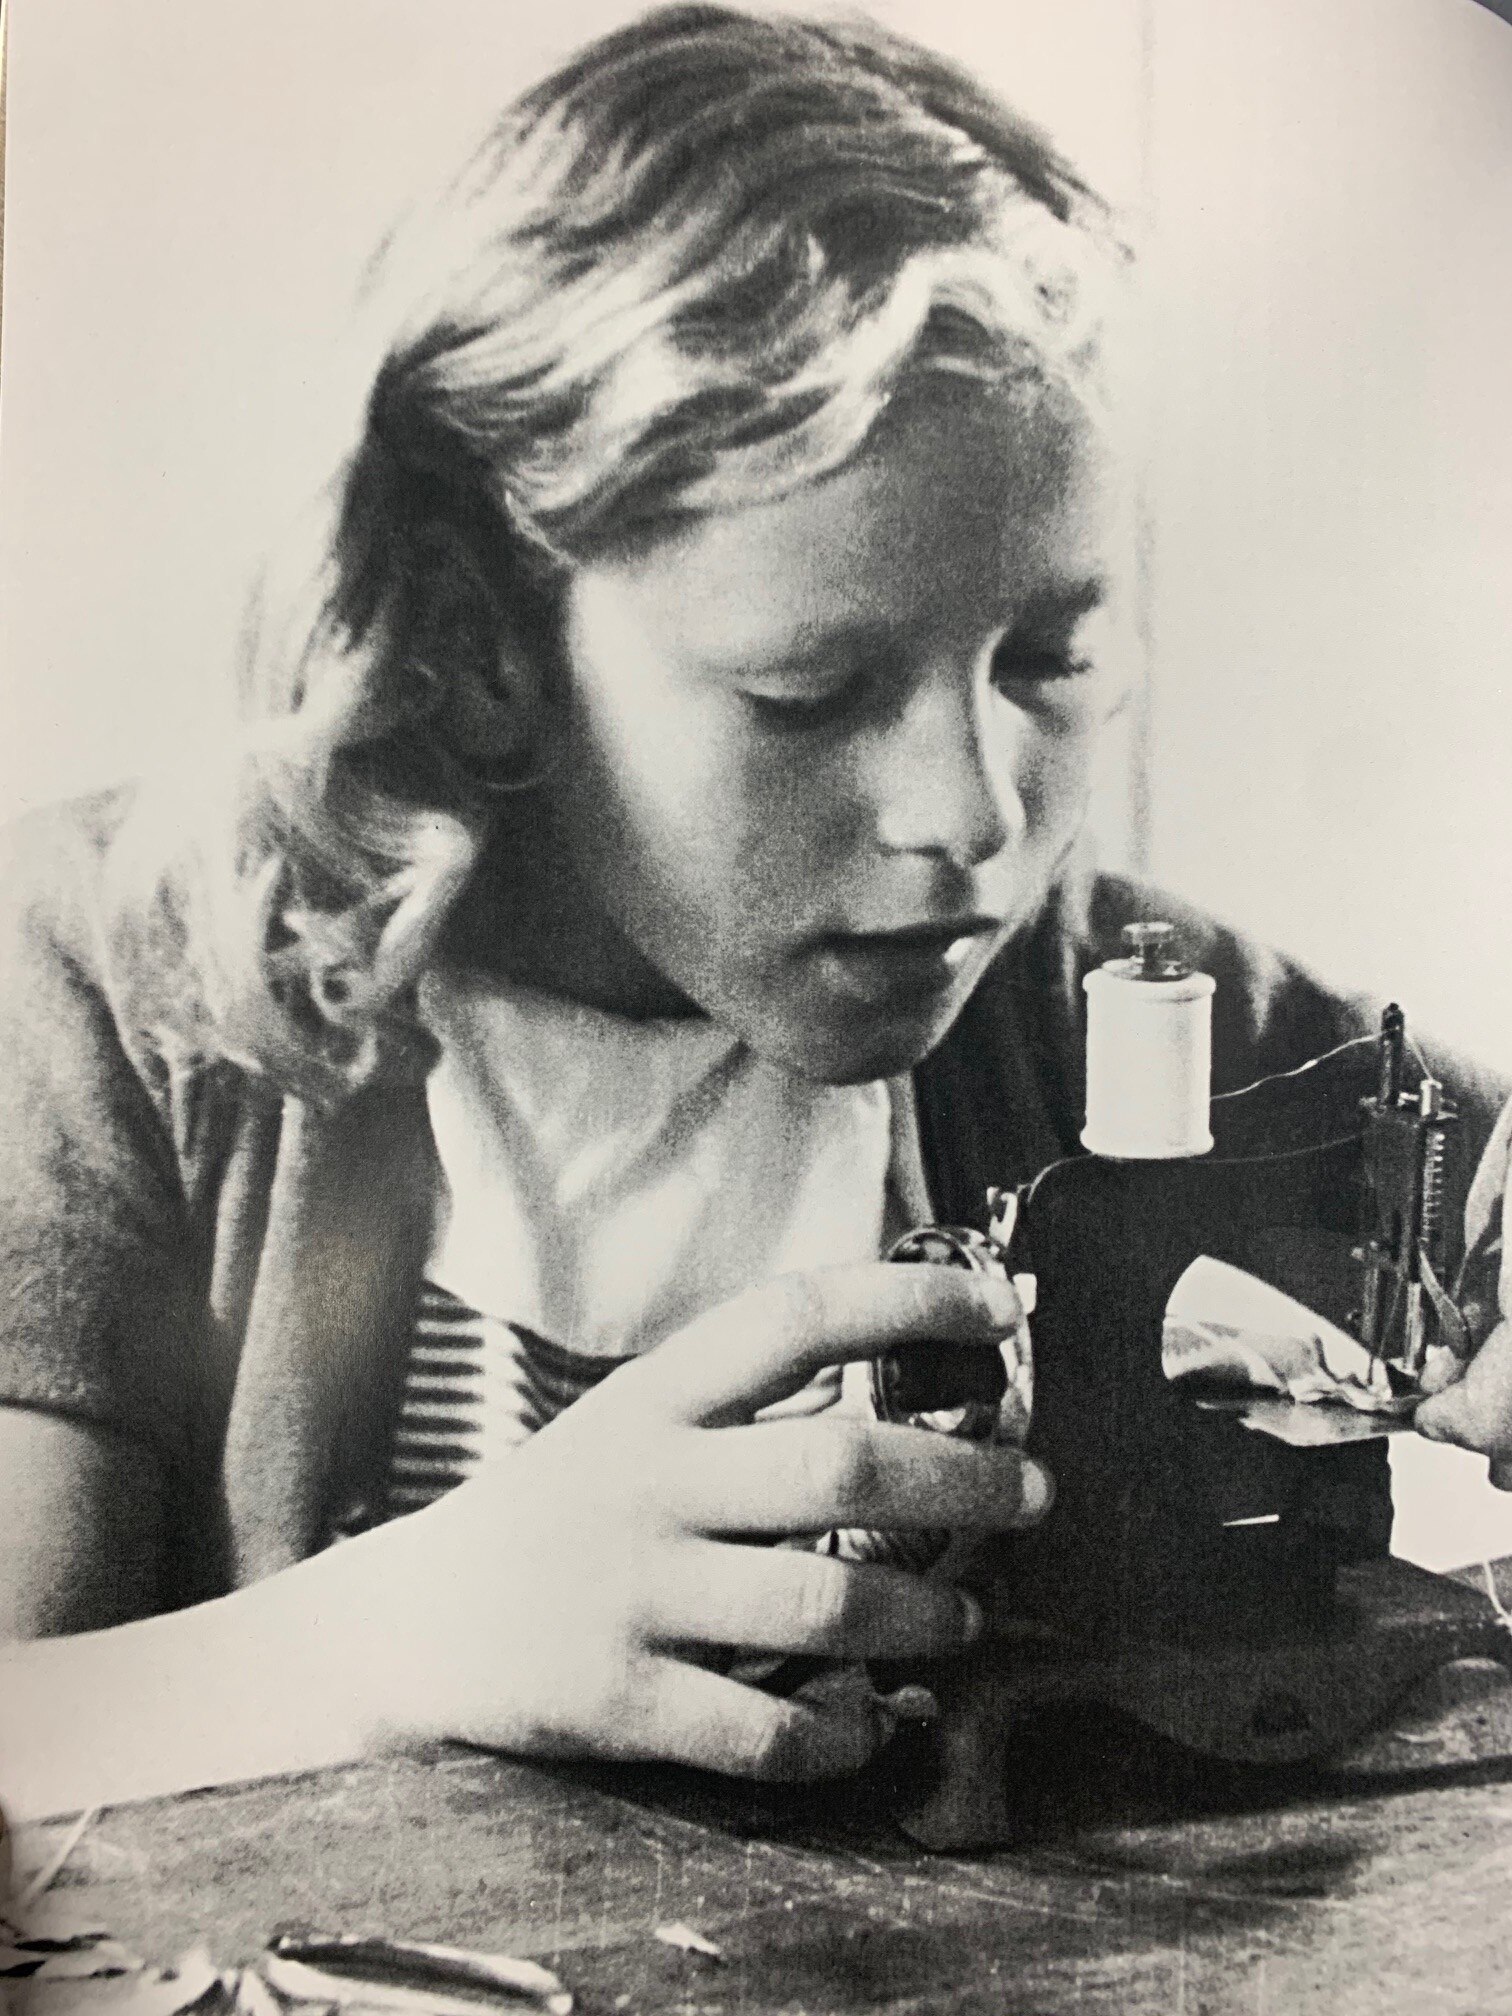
<point x="684" y="273"/>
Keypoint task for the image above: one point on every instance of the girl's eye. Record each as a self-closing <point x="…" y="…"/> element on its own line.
<point x="802" y="710"/>
<point x="1028" y="664"/>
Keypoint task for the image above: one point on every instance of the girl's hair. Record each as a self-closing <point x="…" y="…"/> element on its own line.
<point x="684" y="273"/>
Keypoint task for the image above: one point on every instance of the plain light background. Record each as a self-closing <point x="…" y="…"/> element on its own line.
<point x="1322" y="191"/>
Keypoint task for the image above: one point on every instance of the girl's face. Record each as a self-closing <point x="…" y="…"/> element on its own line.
<point x="824" y="755"/>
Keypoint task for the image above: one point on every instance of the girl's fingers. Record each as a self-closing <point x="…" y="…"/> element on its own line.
<point x="1476" y="1410"/>
<point x="691" y="1716"/>
<point x="1441" y="1368"/>
<point x="764" y="1599"/>
<point x="764" y="1345"/>
<point x="805" y="1476"/>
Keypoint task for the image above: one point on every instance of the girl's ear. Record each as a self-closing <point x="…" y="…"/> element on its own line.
<point x="477" y="646"/>
<point x="434" y="587"/>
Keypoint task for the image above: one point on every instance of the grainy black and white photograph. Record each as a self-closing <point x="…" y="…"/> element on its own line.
<point x="755" y="1027"/>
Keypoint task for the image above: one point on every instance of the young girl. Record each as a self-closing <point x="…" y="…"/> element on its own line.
<point x="648" y="881"/>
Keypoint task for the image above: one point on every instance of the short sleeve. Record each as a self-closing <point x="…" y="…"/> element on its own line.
<point x="96" y="1259"/>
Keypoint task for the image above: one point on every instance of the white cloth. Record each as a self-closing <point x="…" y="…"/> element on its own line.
<point x="607" y="1180"/>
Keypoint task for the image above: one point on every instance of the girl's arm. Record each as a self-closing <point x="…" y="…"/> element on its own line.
<point x="81" y="1518"/>
<point x="274" y="1678"/>
<point x="545" y="1606"/>
<point x="228" y="1690"/>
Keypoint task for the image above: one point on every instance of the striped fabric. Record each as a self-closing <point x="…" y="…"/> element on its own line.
<point x="474" y="1386"/>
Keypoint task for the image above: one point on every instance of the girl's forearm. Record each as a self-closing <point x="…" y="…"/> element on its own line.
<point x="274" y="1678"/>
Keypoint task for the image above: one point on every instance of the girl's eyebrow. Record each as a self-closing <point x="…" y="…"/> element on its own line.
<point x="863" y="636"/>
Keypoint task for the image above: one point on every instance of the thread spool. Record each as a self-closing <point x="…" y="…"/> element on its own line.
<point x="1149" y="1051"/>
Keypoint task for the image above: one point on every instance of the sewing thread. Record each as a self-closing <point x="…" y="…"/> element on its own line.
<point x="1149" y="1053"/>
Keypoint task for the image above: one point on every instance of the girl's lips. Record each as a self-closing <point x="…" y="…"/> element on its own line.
<point x="948" y="931"/>
<point x="913" y="964"/>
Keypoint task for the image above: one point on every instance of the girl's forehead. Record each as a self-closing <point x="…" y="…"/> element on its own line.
<point x="960" y="504"/>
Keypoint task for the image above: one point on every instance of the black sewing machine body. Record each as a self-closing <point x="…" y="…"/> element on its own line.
<point x="1228" y="1589"/>
<point x="1174" y="1524"/>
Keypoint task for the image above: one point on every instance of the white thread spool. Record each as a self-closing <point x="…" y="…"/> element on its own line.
<point x="1149" y="1052"/>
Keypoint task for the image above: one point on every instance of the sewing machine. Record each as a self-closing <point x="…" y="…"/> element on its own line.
<point x="1199" y="1569"/>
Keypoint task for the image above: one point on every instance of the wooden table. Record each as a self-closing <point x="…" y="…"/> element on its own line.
<point x="1141" y="1885"/>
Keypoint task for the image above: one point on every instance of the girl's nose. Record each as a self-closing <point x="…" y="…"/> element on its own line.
<point x="947" y="779"/>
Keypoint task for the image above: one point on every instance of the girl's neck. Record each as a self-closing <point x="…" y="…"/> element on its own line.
<point x="526" y="917"/>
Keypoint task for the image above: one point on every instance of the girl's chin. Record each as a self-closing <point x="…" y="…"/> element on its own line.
<point x="849" y="1045"/>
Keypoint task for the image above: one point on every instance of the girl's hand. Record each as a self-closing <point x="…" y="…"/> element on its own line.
<point x="559" y="1602"/>
<point x="1473" y="1404"/>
